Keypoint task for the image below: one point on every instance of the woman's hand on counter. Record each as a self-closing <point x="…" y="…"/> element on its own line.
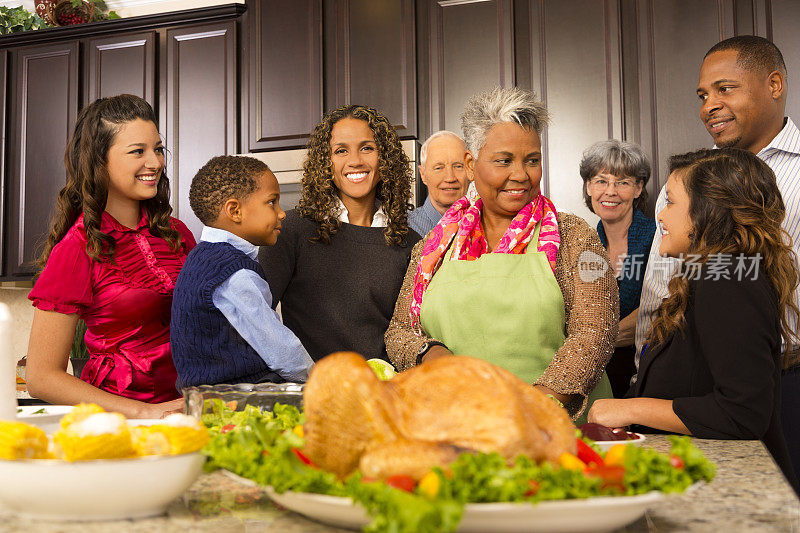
<point x="651" y="412"/>
<point x="160" y="410"/>
<point x="611" y="413"/>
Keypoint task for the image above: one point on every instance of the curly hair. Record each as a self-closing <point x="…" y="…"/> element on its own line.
<point x="735" y="207"/>
<point x="222" y="178"/>
<point x="619" y="158"/>
<point x="86" y="191"/>
<point x="318" y="197"/>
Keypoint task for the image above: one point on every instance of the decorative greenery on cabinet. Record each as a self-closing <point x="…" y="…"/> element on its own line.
<point x="17" y="19"/>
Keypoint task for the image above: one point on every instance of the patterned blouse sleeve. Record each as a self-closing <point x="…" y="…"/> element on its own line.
<point x="402" y="341"/>
<point x="65" y="284"/>
<point x="591" y="313"/>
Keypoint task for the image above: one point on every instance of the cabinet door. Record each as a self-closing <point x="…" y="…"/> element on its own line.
<point x="673" y="37"/>
<point x="121" y="64"/>
<point x="781" y="28"/>
<point x="44" y="106"/>
<point x="370" y="58"/>
<point x="284" y="85"/>
<point x="468" y="48"/>
<point x="3" y="129"/>
<point x="198" y="113"/>
<point x="575" y="67"/>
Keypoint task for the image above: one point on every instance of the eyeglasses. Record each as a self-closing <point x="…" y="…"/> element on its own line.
<point x="601" y="184"/>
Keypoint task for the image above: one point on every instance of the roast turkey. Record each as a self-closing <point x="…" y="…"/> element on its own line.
<point x="425" y="416"/>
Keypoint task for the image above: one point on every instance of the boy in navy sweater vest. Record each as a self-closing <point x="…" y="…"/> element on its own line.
<point x="223" y="327"/>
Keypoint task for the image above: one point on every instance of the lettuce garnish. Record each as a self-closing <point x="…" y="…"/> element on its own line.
<point x="262" y="446"/>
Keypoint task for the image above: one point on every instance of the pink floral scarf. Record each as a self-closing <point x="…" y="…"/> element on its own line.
<point x="461" y="226"/>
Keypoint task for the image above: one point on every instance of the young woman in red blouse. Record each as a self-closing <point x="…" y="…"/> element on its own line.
<point x="112" y="256"/>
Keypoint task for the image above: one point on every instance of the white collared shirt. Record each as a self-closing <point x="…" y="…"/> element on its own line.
<point x="379" y="219"/>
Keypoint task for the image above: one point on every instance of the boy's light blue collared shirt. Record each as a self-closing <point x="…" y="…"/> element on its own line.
<point x="246" y="301"/>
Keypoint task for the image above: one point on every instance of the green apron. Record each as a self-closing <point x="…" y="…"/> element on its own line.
<point x="504" y="308"/>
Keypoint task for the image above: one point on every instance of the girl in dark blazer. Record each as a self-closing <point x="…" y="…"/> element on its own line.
<point x="712" y="364"/>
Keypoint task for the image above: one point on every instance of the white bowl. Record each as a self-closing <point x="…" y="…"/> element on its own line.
<point x="107" y="489"/>
<point x="46" y="417"/>
<point x="606" y="444"/>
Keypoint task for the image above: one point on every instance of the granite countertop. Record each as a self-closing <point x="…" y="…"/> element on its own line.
<point x="749" y="494"/>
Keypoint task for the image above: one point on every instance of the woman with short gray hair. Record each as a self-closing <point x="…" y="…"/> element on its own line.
<point x="614" y="175"/>
<point x="499" y="277"/>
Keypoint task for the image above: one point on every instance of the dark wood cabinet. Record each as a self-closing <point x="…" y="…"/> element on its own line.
<point x="121" y="64"/>
<point x="673" y="37"/>
<point x="43" y="109"/>
<point x="188" y="72"/>
<point x="306" y="57"/>
<point x="370" y="58"/>
<point x="284" y="80"/>
<point x="198" y="117"/>
<point x="582" y="112"/>
<point x="781" y="28"/>
<point x="3" y="133"/>
<point x="467" y="47"/>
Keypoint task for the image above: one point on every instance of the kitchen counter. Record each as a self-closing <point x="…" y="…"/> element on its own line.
<point x="748" y="494"/>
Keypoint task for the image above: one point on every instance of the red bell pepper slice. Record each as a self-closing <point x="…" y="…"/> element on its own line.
<point x="300" y="455"/>
<point x="587" y="454"/>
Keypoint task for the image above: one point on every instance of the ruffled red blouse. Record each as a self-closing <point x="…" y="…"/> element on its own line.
<point x="125" y="304"/>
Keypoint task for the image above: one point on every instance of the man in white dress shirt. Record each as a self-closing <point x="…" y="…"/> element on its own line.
<point x="742" y="90"/>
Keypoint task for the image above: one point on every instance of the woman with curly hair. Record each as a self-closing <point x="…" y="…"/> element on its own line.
<point x="712" y="366"/>
<point x="339" y="261"/>
<point x="501" y="275"/>
<point x="112" y="256"/>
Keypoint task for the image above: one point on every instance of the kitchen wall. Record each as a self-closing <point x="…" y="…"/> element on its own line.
<point x="606" y="68"/>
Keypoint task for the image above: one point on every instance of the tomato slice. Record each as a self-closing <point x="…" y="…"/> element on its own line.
<point x="533" y="487"/>
<point x="587" y="454"/>
<point x="676" y="461"/>
<point x="401" y="482"/>
<point x="226" y="428"/>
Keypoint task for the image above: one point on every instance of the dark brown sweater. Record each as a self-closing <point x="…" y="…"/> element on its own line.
<point x="337" y="296"/>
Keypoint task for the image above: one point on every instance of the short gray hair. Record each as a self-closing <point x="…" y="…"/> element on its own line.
<point x="620" y="158"/>
<point x="423" y="152"/>
<point x="487" y="109"/>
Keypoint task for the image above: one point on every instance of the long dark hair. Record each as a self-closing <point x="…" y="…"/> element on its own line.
<point x="318" y="199"/>
<point x="735" y="208"/>
<point x="86" y="191"/>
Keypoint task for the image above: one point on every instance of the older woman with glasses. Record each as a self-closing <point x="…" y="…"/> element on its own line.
<point x="500" y="276"/>
<point x="614" y="175"/>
